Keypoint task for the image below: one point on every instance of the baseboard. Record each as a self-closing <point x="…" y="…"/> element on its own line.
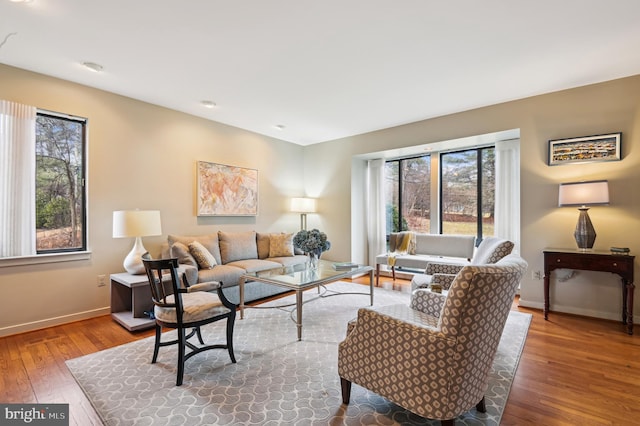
<point x="50" y="322"/>
<point x="613" y="316"/>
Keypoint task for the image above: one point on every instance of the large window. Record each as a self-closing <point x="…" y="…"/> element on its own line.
<point x="466" y="189"/>
<point x="60" y="183"/>
<point x="408" y="194"/>
<point x="467" y="192"/>
<point x="42" y="183"/>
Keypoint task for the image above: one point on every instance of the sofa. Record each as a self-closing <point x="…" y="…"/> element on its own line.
<point x="423" y="249"/>
<point x="226" y="256"/>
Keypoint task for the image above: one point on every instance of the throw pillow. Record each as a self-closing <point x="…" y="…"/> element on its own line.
<point x="263" y="245"/>
<point x="181" y="252"/>
<point x="204" y="258"/>
<point x="237" y="246"/>
<point x="280" y="245"/>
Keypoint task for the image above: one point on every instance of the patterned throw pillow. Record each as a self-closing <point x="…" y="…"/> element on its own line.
<point x="204" y="258"/>
<point x="280" y="245"/>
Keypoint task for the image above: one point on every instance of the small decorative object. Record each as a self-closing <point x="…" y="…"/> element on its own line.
<point x="584" y="194"/>
<point x="226" y="190"/>
<point x="620" y="250"/>
<point x="312" y="243"/>
<point x="585" y="149"/>
<point x="436" y="288"/>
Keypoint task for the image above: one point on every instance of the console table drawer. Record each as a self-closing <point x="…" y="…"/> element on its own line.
<point x="614" y="264"/>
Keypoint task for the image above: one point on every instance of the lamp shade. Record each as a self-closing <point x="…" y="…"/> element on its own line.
<point x="136" y="223"/>
<point x="303" y="205"/>
<point x="583" y="193"/>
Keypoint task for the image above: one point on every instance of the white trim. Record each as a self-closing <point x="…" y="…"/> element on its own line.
<point x="613" y="316"/>
<point x="50" y="322"/>
<point x="45" y="258"/>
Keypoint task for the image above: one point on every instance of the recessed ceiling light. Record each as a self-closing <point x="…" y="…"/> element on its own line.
<point x="93" y="66"/>
<point x="280" y="126"/>
<point x="208" y="104"/>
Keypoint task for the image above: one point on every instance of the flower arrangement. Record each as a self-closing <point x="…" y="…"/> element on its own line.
<point x="312" y="241"/>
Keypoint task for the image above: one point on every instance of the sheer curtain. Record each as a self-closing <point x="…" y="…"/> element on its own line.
<point x="376" y="214"/>
<point x="17" y="179"/>
<point x="507" y="202"/>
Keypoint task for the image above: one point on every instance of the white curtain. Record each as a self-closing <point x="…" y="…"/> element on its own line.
<point x="507" y="201"/>
<point x="17" y="179"/>
<point x="376" y="213"/>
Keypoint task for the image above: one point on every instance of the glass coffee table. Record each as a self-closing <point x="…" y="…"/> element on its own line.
<point x="300" y="278"/>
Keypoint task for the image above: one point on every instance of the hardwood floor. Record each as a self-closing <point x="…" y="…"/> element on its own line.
<point x="573" y="370"/>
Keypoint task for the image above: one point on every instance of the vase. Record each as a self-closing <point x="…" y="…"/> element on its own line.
<point x="314" y="260"/>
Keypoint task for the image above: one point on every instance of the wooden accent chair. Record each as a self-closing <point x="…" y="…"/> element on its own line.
<point x="186" y="307"/>
<point x="434" y="357"/>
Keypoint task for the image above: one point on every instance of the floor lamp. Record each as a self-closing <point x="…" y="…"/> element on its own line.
<point x="303" y="206"/>
<point x="584" y="194"/>
<point x="138" y="224"/>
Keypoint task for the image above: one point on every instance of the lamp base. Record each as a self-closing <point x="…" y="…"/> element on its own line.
<point x="133" y="262"/>
<point x="584" y="234"/>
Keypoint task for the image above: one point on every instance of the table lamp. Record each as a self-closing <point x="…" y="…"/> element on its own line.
<point x="584" y="194"/>
<point x="303" y="206"/>
<point x="138" y="224"/>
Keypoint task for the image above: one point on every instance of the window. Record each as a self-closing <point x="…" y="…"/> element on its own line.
<point x="60" y="182"/>
<point x="408" y="194"/>
<point x="467" y="193"/>
<point x="42" y="184"/>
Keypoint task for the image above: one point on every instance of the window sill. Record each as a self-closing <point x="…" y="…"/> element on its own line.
<point x="45" y="258"/>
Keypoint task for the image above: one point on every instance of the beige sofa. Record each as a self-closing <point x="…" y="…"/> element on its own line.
<point x="233" y="254"/>
<point x="427" y="248"/>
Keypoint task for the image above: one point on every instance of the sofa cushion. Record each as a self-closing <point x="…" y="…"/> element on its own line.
<point x="200" y="253"/>
<point x="255" y="265"/>
<point x="263" y="242"/>
<point x="290" y="260"/>
<point x="181" y="252"/>
<point x="280" y="245"/>
<point x="210" y="241"/>
<point x="237" y="246"/>
<point x="227" y="275"/>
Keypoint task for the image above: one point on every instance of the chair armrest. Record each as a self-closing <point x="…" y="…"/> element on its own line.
<point x="208" y="286"/>
<point x="442" y="268"/>
<point x="444" y="280"/>
<point x="427" y="302"/>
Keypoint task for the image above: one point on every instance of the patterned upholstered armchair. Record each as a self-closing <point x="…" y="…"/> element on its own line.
<point x="490" y="250"/>
<point x="436" y="366"/>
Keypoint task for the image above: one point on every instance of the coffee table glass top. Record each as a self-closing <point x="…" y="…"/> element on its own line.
<point x="301" y="275"/>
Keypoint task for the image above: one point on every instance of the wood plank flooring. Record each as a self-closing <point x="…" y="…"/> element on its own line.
<point x="573" y="371"/>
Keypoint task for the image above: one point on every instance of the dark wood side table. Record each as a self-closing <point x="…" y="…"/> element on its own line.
<point x="602" y="261"/>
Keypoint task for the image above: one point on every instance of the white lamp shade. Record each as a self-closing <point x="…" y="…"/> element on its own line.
<point x="136" y="223"/>
<point x="583" y="193"/>
<point x="303" y="205"/>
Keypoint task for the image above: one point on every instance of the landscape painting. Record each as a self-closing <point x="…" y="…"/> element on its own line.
<point x="226" y="190"/>
<point x="585" y="149"/>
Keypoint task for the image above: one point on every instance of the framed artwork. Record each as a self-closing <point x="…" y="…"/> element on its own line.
<point x="585" y="149"/>
<point x="226" y="190"/>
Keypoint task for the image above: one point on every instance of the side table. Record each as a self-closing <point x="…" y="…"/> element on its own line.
<point x="602" y="261"/>
<point x="130" y="299"/>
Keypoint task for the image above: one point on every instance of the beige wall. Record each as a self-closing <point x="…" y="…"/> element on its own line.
<point x="144" y="156"/>
<point x="140" y="156"/>
<point x="609" y="107"/>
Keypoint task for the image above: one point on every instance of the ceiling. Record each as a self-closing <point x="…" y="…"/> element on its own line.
<point x="311" y="71"/>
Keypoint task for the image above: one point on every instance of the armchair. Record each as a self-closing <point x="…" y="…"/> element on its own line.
<point x="436" y="366"/>
<point x="490" y="250"/>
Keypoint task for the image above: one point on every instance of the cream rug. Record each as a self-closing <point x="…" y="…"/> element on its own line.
<point x="276" y="381"/>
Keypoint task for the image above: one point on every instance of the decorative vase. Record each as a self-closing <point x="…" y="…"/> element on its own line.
<point x="314" y="259"/>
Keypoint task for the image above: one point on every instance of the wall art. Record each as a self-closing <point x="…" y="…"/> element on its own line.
<point x="585" y="149"/>
<point x="226" y="190"/>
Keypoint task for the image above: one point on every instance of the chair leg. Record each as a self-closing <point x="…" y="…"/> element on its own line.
<point x="346" y="390"/>
<point x="481" y="406"/>
<point x="450" y="422"/>
<point x="156" y="346"/>
<point x="181" y="350"/>
<point x="393" y="273"/>
<point x="231" y="319"/>
<point x="199" y="334"/>
<point x="377" y="274"/>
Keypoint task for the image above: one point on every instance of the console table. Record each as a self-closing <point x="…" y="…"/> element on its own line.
<point x="602" y="261"/>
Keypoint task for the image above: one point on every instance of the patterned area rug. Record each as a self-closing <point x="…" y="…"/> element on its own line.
<point x="276" y="380"/>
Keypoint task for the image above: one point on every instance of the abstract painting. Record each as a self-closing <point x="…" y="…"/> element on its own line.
<point x="585" y="149"/>
<point x="226" y="190"/>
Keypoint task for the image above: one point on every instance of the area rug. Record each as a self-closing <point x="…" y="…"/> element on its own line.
<point x="277" y="380"/>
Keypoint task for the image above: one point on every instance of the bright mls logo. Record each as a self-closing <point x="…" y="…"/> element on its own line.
<point x="34" y="414"/>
